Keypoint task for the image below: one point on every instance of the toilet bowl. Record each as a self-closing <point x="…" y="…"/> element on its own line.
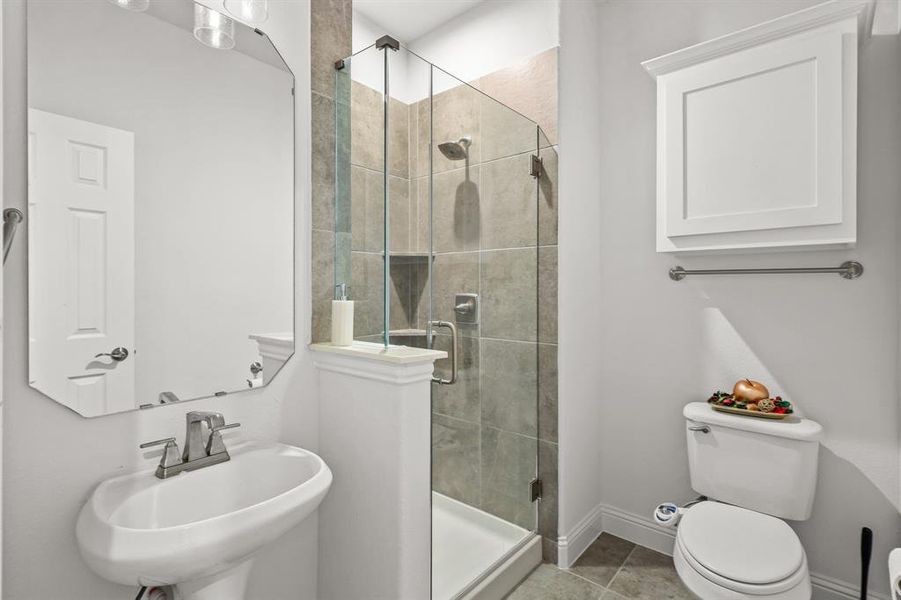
<point x="725" y="552"/>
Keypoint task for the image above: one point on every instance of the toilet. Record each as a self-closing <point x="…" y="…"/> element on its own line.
<point x="755" y="473"/>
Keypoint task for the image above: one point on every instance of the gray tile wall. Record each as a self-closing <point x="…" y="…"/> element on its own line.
<point x="331" y="22"/>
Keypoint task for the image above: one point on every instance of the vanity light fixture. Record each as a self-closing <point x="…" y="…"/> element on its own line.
<point x="249" y="11"/>
<point x="133" y="5"/>
<point x="213" y="29"/>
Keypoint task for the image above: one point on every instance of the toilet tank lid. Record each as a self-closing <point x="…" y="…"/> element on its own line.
<point x="791" y="427"/>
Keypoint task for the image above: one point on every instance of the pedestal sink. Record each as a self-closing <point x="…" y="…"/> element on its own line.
<point x="200" y="530"/>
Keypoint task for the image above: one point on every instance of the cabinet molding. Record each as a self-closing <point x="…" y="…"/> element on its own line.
<point x="756" y="135"/>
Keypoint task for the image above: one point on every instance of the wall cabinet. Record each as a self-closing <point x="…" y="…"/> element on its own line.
<point x="756" y="135"/>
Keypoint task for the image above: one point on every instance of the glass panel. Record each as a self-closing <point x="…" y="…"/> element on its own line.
<point x="362" y="201"/>
<point x="445" y="185"/>
<point x="359" y="173"/>
<point x="547" y="335"/>
<point x="407" y="200"/>
<point x="484" y="220"/>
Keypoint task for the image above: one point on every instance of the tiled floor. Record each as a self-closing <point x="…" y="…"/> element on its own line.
<point x="611" y="569"/>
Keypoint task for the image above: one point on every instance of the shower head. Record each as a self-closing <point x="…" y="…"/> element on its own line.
<point x="456" y="150"/>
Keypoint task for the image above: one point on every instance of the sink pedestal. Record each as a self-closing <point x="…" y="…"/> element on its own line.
<point x="230" y="584"/>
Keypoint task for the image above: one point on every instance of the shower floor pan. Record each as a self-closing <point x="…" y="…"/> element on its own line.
<point x="477" y="555"/>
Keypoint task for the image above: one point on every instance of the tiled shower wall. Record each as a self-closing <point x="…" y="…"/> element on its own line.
<point x="330" y="40"/>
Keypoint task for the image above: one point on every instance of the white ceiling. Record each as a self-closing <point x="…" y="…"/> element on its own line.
<point x="408" y="20"/>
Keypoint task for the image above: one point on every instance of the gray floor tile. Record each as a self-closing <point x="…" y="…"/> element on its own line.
<point x="603" y="558"/>
<point x="649" y="575"/>
<point x="547" y="582"/>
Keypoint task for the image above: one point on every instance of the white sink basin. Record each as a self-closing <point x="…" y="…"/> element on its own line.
<point x="199" y="530"/>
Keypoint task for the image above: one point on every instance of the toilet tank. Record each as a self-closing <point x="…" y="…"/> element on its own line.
<point x="765" y="465"/>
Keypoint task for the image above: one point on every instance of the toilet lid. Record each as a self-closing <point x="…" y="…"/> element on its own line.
<point x="740" y="544"/>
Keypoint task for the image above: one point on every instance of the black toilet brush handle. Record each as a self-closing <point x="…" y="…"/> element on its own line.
<point x="866" y="551"/>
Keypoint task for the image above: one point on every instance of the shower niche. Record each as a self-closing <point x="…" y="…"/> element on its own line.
<point x="438" y="238"/>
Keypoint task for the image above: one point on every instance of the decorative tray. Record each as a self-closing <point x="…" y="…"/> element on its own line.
<point x="749" y="413"/>
<point x="762" y="408"/>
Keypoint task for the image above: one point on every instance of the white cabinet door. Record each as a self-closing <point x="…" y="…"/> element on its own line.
<point x="81" y="263"/>
<point x="756" y="136"/>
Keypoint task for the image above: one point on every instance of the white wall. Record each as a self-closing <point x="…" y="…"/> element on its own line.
<point x="651" y="345"/>
<point x="580" y="285"/>
<point x="493" y="35"/>
<point x="210" y="139"/>
<point x="53" y="458"/>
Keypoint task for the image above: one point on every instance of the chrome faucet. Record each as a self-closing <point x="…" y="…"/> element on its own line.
<point x="197" y="454"/>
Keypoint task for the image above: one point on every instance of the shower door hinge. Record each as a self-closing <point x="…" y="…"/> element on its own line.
<point x="535" y="489"/>
<point x="535" y="166"/>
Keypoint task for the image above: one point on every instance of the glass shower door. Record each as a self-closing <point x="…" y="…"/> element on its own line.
<point x="437" y="240"/>
<point x="483" y="219"/>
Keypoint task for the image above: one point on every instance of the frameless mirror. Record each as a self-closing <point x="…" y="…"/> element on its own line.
<point x="160" y="204"/>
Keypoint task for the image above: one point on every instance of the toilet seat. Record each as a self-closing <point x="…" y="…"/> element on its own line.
<point x="745" y="552"/>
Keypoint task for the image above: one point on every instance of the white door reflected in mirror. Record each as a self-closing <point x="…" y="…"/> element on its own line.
<point x="81" y="269"/>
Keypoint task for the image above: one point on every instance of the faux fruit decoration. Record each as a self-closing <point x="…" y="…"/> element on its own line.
<point x="751" y="397"/>
<point x="749" y="390"/>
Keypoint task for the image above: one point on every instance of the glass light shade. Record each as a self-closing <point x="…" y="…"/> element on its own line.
<point x="249" y="11"/>
<point x="213" y="29"/>
<point x="135" y="5"/>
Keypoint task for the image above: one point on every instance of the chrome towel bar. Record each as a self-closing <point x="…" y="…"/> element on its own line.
<point x="847" y="270"/>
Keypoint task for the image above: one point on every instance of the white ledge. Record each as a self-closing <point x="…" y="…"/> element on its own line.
<point x="398" y="355"/>
<point x="791" y="24"/>
<point x="275" y="345"/>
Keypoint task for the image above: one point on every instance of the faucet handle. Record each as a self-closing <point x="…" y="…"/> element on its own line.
<point x="167" y="441"/>
<point x="214" y="444"/>
<point x="221" y="427"/>
<point x="171" y="455"/>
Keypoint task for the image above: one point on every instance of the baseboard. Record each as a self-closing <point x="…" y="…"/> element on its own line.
<point x="570" y="547"/>
<point x="638" y="529"/>
<point x="829" y="588"/>
<point x="646" y="532"/>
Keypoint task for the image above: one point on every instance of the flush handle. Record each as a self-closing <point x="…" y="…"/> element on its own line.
<point x="699" y="428"/>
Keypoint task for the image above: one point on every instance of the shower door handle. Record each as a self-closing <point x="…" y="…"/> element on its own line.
<point x="453" y="352"/>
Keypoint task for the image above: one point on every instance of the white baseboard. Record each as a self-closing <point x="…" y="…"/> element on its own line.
<point x="829" y="588"/>
<point x="638" y="529"/>
<point x="570" y="547"/>
<point x="646" y="532"/>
